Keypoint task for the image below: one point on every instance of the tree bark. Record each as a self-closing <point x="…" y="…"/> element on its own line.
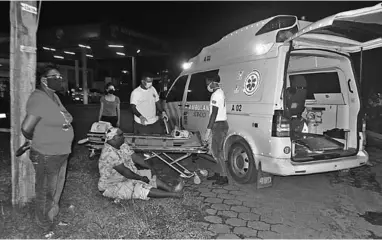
<point x="23" y="17"/>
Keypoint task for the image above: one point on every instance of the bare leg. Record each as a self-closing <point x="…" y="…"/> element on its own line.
<point x="164" y="186"/>
<point x="157" y="193"/>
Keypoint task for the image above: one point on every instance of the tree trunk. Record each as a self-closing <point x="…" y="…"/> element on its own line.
<point x="23" y="17"/>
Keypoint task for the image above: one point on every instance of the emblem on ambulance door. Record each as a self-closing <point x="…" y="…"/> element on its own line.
<point x="251" y="83"/>
<point x="239" y="76"/>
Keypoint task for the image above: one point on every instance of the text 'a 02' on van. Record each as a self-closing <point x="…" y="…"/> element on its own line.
<point x="291" y="92"/>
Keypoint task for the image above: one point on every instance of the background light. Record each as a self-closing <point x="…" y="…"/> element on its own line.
<point x="88" y="55"/>
<point x="186" y="65"/>
<point x="115" y="46"/>
<point x="119" y="53"/>
<point x="59" y="57"/>
<point x="71" y="53"/>
<point x="138" y="51"/>
<point x="84" y="46"/>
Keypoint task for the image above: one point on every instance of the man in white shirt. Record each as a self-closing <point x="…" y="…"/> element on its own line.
<point x="145" y="105"/>
<point x="218" y="127"/>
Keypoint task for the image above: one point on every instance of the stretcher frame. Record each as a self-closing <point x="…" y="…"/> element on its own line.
<point x="96" y="141"/>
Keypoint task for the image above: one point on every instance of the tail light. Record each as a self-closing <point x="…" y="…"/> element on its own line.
<point x="280" y="125"/>
<point x="364" y="130"/>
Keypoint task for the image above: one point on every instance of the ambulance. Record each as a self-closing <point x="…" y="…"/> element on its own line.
<point x="291" y="90"/>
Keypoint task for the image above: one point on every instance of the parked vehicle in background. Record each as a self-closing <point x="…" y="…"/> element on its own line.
<point x="94" y="95"/>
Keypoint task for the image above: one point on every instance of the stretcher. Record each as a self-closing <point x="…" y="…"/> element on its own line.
<point x="157" y="146"/>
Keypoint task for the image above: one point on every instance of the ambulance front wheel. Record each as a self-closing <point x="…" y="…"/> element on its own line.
<point x="241" y="163"/>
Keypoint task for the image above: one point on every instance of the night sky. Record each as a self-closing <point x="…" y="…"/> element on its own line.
<point x="189" y="25"/>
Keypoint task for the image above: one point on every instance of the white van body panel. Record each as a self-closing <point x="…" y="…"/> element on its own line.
<point x="254" y="75"/>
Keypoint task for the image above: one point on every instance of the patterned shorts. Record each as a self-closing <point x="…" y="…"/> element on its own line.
<point x="132" y="189"/>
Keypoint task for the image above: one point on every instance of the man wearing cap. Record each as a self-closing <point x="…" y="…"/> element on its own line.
<point x="120" y="178"/>
<point x="146" y="107"/>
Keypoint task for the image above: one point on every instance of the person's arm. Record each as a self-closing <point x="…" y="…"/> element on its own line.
<point x="28" y="126"/>
<point x="100" y="110"/>
<point x="127" y="173"/>
<point x="159" y="106"/>
<point x="118" y="112"/>
<point x="35" y="109"/>
<point x="137" y="159"/>
<point x="212" y="117"/>
<point x="133" y="104"/>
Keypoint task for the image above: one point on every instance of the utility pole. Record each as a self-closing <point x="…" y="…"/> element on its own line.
<point x="84" y="76"/>
<point x="23" y="18"/>
<point x="134" y="72"/>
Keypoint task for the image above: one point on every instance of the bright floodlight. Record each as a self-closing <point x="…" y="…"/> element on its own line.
<point x="84" y="46"/>
<point x="186" y="65"/>
<point x="115" y="46"/>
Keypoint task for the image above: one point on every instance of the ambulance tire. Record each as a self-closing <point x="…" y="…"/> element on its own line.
<point x="241" y="163"/>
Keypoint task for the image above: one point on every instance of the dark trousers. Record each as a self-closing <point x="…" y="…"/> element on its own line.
<point x="111" y="119"/>
<point x="155" y="128"/>
<point x="50" y="179"/>
<point x="219" y="133"/>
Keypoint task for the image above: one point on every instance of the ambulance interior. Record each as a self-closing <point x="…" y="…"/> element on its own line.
<point x="322" y="108"/>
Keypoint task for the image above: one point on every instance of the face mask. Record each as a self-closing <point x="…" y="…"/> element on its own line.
<point x="54" y="84"/>
<point x="148" y="85"/>
<point x="110" y="91"/>
<point x="209" y="88"/>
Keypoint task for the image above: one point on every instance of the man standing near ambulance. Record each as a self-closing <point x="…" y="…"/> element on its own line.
<point x="145" y="104"/>
<point x="218" y="127"/>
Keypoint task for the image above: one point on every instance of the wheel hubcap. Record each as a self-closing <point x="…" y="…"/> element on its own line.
<point x="240" y="161"/>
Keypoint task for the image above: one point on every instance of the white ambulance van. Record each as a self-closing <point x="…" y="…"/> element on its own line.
<point x="291" y="91"/>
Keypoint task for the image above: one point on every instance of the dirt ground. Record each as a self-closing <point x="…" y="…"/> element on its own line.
<point x="93" y="216"/>
<point x="327" y="205"/>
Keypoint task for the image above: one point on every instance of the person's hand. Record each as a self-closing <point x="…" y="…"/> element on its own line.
<point x="164" y="116"/>
<point x="145" y="179"/>
<point x="207" y="135"/>
<point x="118" y="124"/>
<point x="143" y="120"/>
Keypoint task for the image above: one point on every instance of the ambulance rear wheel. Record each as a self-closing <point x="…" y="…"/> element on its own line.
<point x="241" y="163"/>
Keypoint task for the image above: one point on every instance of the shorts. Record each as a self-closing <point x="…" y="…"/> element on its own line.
<point x="155" y="128"/>
<point x="132" y="189"/>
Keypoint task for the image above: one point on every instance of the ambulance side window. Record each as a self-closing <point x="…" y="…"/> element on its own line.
<point x="197" y="89"/>
<point x="176" y="92"/>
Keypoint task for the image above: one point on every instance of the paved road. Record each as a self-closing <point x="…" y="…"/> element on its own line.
<point x="315" y="206"/>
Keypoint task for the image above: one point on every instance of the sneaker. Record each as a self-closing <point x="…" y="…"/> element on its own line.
<point x="222" y="181"/>
<point x="216" y="176"/>
<point x="53" y="212"/>
<point x="147" y="155"/>
<point x="180" y="186"/>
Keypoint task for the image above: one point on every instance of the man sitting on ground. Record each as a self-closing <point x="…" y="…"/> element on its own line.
<point x="120" y="178"/>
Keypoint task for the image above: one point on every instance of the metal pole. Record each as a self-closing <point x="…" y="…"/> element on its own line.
<point x="133" y="71"/>
<point x="77" y="72"/>
<point x="84" y="77"/>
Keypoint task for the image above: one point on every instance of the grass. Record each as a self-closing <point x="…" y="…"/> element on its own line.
<point x="94" y="216"/>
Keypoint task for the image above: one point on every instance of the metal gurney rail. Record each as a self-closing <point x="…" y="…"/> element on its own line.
<point x="159" y="146"/>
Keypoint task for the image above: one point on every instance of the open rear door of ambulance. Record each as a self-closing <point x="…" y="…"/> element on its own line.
<point x="350" y="31"/>
<point x="345" y="32"/>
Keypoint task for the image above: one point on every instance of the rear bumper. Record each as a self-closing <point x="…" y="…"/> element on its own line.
<point x="285" y="167"/>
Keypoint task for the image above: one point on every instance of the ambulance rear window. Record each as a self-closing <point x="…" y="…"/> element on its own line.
<point x="323" y="82"/>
